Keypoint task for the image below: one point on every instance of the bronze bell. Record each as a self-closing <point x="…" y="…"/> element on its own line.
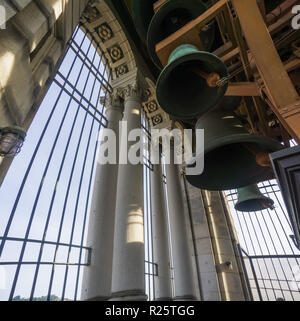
<point x="188" y="86"/>
<point x="250" y="199"/>
<point x="172" y="16"/>
<point x="233" y="158"/>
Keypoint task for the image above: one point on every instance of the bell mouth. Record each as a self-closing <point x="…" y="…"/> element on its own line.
<point x="185" y="95"/>
<point x="172" y="16"/>
<point x="228" y="164"/>
<point x="254" y="205"/>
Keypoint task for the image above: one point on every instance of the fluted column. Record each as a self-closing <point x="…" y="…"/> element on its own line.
<point x="182" y="259"/>
<point x="128" y="282"/>
<point x="97" y="276"/>
<point x="161" y="252"/>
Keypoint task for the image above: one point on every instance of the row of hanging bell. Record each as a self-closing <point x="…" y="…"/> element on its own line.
<point x="188" y="87"/>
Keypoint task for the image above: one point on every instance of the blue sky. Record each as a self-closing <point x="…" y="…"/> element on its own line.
<point x="16" y="172"/>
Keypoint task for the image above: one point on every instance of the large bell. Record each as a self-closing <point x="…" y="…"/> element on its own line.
<point x="250" y="199"/>
<point x="188" y="86"/>
<point x="142" y="13"/>
<point x="172" y="16"/>
<point x="233" y="158"/>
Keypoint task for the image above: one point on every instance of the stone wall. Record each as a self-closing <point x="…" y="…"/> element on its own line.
<point x="217" y="263"/>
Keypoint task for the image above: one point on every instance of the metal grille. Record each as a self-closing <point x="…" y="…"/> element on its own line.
<point x="47" y="192"/>
<point x="271" y="258"/>
<point x="46" y="195"/>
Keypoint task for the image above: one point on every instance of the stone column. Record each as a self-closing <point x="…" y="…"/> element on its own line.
<point x="128" y="281"/>
<point x="161" y="251"/>
<point x="97" y="276"/>
<point x="182" y="258"/>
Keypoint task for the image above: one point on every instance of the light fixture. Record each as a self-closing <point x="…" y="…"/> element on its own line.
<point x="11" y="140"/>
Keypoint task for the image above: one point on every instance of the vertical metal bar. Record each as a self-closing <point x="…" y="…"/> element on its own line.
<point x="245" y="272"/>
<point x="69" y="186"/>
<point x="57" y="180"/>
<point x="33" y="211"/>
<point x="255" y="280"/>
<point x="151" y="222"/>
<point x="81" y="178"/>
<point x="86" y="208"/>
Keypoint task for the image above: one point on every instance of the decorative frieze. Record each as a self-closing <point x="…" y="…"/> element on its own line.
<point x="151" y="106"/>
<point x="115" y="53"/>
<point x="157" y="119"/>
<point x="91" y="13"/>
<point x="105" y="32"/>
<point x="121" y="70"/>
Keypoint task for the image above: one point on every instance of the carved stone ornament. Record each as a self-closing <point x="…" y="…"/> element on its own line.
<point x="112" y="100"/>
<point x="133" y="91"/>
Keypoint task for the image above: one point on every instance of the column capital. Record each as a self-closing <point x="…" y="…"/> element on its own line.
<point x="133" y="91"/>
<point x="132" y="85"/>
<point x="112" y="101"/>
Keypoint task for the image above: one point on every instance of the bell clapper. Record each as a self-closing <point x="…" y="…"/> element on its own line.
<point x="212" y="79"/>
<point x="262" y="158"/>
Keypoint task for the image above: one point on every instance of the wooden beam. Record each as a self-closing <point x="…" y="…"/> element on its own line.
<point x="188" y="33"/>
<point x="243" y="89"/>
<point x="281" y="10"/>
<point x="279" y="86"/>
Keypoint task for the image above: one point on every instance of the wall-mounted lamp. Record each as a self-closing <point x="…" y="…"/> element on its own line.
<point x="11" y="140"/>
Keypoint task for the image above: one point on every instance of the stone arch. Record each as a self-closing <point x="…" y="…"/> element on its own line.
<point x="107" y="31"/>
<point x="33" y="44"/>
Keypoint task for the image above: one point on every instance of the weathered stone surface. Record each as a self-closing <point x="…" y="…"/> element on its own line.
<point x="41" y="75"/>
<point x="5" y="116"/>
<point x="54" y="7"/>
<point x="9" y="12"/>
<point x="33" y="24"/>
<point x="55" y="53"/>
<point x="16" y="76"/>
<point x="21" y="4"/>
